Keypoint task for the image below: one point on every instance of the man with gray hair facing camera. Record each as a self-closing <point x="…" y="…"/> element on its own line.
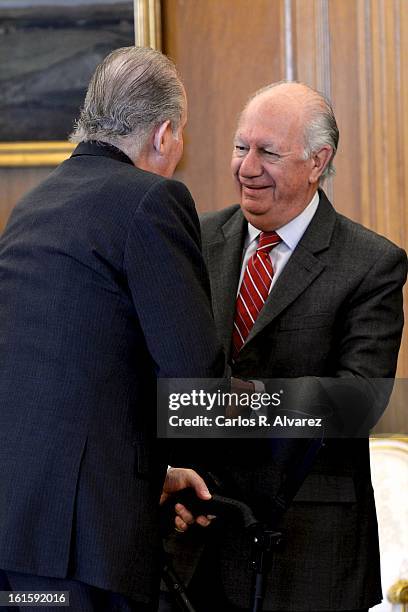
<point x="103" y="289"/>
<point x="299" y="292"/>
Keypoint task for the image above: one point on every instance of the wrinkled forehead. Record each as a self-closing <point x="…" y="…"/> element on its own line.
<point x="272" y="119"/>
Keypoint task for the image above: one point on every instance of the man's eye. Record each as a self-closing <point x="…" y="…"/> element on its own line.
<point x="272" y="154"/>
<point x="240" y="148"/>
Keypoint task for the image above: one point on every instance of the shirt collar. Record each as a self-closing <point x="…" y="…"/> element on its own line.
<point x="292" y="232"/>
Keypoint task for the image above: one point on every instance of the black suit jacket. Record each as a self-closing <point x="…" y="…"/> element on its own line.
<point x="335" y="311"/>
<point x="103" y="289"/>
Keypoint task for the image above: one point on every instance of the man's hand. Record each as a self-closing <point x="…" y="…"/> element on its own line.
<point x="182" y="478"/>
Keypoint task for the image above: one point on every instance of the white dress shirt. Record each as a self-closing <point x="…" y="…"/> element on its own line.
<point x="290" y="234"/>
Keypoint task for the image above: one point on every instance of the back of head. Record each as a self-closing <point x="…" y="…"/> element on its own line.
<point x="131" y="92"/>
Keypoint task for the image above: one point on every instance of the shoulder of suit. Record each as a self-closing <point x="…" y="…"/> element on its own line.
<point x="360" y="237"/>
<point x="147" y="179"/>
<point x="211" y="221"/>
<point x="133" y="183"/>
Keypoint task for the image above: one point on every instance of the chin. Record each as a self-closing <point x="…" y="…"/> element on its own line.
<point x="262" y="219"/>
<point x="254" y="207"/>
<point x="257" y="220"/>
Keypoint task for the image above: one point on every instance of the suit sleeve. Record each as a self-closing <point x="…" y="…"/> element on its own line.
<point x="365" y="352"/>
<point x="373" y="319"/>
<point x="369" y="344"/>
<point x="169" y="285"/>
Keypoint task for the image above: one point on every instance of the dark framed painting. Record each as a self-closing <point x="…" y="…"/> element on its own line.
<point x="48" y="51"/>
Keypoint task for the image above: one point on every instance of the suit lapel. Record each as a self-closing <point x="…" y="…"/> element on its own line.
<point x="224" y="257"/>
<point x="302" y="268"/>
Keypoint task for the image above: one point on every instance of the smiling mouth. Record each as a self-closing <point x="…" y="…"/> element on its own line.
<point x="255" y="187"/>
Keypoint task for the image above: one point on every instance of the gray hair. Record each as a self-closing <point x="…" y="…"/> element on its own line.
<point x="321" y="127"/>
<point x="131" y="92"/>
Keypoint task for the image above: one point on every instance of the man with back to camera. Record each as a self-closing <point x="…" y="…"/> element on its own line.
<point x="332" y="307"/>
<point x="103" y="289"/>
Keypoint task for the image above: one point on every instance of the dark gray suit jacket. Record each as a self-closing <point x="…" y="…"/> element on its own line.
<point x="103" y="289"/>
<point x="335" y="311"/>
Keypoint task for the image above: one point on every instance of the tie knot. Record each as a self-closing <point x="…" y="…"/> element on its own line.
<point x="267" y="241"/>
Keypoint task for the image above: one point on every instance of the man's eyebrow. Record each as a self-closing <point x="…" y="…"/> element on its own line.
<point x="262" y="145"/>
<point x="268" y="145"/>
<point x="259" y="145"/>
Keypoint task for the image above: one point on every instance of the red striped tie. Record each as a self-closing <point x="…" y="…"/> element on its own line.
<point x="254" y="289"/>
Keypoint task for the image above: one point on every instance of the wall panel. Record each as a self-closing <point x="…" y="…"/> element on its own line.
<point x="224" y="49"/>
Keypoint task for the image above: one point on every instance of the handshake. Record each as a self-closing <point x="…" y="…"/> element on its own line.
<point x="178" y="479"/>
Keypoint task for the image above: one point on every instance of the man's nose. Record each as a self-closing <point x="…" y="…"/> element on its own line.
<point x="251" y="165"/>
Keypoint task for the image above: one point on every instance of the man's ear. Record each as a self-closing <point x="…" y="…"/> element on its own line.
<point x="159" y="137"/>
<point x="320" y="160"/>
